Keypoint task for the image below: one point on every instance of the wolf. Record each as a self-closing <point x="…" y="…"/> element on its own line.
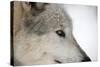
<point x="43" y="35"/>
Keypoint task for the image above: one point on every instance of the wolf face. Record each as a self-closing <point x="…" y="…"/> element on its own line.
<point x="45" y="36"/>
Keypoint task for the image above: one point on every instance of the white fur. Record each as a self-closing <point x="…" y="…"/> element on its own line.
<point x="33" y="49"/>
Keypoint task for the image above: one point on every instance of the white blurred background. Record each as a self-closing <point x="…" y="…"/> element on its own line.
<point x="85" y="27"/>
<point x="85" y="32"/>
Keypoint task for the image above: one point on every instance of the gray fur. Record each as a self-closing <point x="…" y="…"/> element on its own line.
<point x="52" y="18"/>
<point x="38" y="42"/>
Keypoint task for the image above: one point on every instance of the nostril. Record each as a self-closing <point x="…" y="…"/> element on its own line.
<point x="85" y="59"/>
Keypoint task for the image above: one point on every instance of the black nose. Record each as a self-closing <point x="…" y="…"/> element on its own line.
<point x="86" y="59"/>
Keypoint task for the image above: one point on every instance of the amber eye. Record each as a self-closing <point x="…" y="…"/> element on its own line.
<point x="60" y="33"/>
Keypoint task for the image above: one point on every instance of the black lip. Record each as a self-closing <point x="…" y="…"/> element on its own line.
<point x="57" y="61"/>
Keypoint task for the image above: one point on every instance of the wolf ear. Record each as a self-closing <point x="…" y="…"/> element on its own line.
<point x="26" y="6"/>
<point x="41" y="5"/>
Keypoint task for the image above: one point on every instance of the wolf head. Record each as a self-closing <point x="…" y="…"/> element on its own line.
<point x="46" y="36"/>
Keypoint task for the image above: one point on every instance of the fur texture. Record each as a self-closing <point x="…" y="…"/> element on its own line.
<point x="45" y="36"/>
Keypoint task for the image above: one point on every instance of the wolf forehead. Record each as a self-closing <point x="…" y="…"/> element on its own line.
<point x="52" y="18"/>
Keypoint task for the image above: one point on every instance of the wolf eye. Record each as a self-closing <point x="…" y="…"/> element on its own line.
<point x="60" y="33"/>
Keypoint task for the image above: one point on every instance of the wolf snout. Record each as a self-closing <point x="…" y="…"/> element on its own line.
<point x="86" y="59"/>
